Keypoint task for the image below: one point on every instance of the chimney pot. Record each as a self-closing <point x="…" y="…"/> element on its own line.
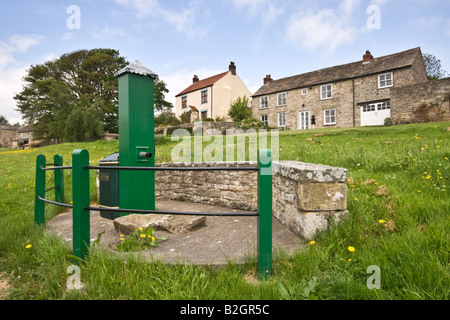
<point x="232" y="68"/>
<point x="367" y="57"/>
<point x="195" y="79"/>
<point x="267" y="79"/>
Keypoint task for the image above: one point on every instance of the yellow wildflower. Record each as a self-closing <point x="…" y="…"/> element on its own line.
<point x="382" y="221"/>
<point x="312" y="242"/>
<point x="351" y="249"/>
<point x="28" y="246"/>
<point x="142" y="235"/>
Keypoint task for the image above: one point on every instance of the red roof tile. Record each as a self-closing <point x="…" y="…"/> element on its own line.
<point x="203" y="83"/>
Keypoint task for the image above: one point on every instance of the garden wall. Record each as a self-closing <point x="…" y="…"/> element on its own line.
<point x="425" y="102"/>
<point x="306" y="197"/>
<point x="222" y="126"/>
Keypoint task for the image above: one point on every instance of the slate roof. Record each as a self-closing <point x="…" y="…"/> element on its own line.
<point x="342" y="72"/>
<point x="203" y="83"/>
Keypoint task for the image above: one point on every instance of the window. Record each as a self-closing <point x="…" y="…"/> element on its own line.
<point x="326" y="91"/>
<point x="205" y="96"/>
<point x="304" y="92"/>
<point x="376" y="106"/>
<point x="281" y="99"/>
<point x="204" y="114"/>
<point x="330" y="116"/>
<point x="368" y="107"/>
<point x="384" y="106"/>
<point x="385" y="80"/>
<point x="282" y="119"/>
<point x="184" y="102"/>
<point x="264" y="119"/>
<point x="264" y="102"/>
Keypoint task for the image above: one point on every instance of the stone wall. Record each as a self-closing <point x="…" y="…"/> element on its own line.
<point x="347" y="95"/>
<point x="222" y="126"/>
<point x="305" y="196"/>
<point x="425" y="102"/>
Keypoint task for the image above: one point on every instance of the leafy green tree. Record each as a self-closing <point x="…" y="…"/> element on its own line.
<point x="160" y="91"/>
<point x="166" y="118"/>
<point x="79" y="79"/>
<point x="4" y="121"/>
<point x="239" y="110"/>
<point x="433" y="67"/>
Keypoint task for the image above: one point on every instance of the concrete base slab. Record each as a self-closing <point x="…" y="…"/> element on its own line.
<point x="224" y="239"/>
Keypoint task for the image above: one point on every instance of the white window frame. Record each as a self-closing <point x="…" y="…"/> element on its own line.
<point x="266" y="120"/>
<point x="307" y="119"/>
<point x="283" y="101"/>
<point x="327" y="118"/>
<point x="304" y="91"/>
<point x="261" y="104"/>
<point x="391" y="74"/>
<point x="326" y="91"/>
<point x="282" y="116"/>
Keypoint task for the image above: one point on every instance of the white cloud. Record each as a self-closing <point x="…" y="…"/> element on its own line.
<point x="108" y="32"/>
<point x="264" y="10"/>
<point x="183" y="20"/>
<point x="325" y="28"/>
<point x="11" y="73"/>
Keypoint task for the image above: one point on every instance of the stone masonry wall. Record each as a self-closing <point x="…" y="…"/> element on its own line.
<point x="305" y="196"/>
<point x="222" y="126"/>
<point x="365" y="89"/>
<point x="425" y="102"/>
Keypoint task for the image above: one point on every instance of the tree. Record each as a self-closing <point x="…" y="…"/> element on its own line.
<point x="166" y="118"/>
<point x="81" y="79"/>
<point x="4" y="121"/>
<point x="433" y="67"/>
<point x="160" y="90"/>
<point x="239" y="110"/>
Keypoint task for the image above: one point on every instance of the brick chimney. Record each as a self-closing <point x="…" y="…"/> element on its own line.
<point x="367" y="57"/>
<point x="267" y="79"/>
<point x="232" y="68"/>
<point x="195" y="79"/>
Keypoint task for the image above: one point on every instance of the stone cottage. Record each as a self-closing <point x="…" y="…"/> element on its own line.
<point x="349" y="95"/>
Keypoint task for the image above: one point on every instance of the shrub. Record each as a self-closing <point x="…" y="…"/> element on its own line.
<point x="239" y="110"/>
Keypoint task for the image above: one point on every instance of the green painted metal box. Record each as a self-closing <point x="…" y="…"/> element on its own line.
<point x="109" y="186"/>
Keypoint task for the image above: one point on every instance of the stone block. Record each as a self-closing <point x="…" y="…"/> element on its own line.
<point x="172" y="223"/>
<point x="309" y="173"/>
<point x="322" y="196"/>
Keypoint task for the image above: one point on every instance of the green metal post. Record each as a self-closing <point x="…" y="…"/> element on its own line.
<point x="136" y="136"/>
<point x="81" y="217"/>
<point x="39" y="206"/>
<point x="265" y="213"/>
<point x="59" y="181"/>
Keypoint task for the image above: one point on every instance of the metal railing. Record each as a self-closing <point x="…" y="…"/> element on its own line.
<point x="81" y="200"/>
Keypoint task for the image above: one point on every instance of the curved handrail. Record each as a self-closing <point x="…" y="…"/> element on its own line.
<point x="56" y="203"/>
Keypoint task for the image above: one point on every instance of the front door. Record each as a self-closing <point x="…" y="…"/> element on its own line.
<point x="303" y="120"/>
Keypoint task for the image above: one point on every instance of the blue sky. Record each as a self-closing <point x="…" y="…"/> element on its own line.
<point x="177" y="39"/>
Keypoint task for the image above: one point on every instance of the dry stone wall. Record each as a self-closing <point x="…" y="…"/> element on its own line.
<point x="306" y="197"/>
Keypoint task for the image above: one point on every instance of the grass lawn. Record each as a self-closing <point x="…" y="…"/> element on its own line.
<point x="398" y="198"/>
